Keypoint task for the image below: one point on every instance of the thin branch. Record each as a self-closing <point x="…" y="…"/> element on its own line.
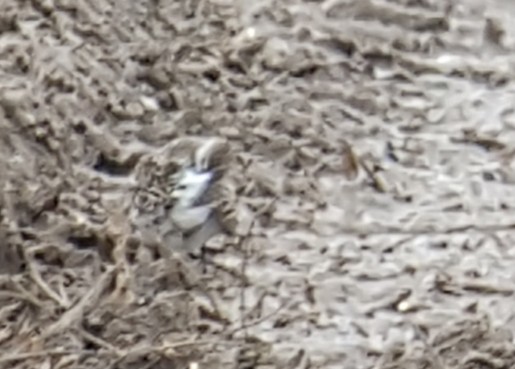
<point x="164" y="350"/>
<point x="76" y="313"/>
<point x="243" y="242"/>
<point x="34" y="355"/>
<point x="378" y="229"/>
<point x="436" y="359"/>
<point x="36" y="277"/>
<point x="99" y="342"/>
<point x="22" y="296"/>
<point x="244" y="283"/>
<point x="260" y="320"/>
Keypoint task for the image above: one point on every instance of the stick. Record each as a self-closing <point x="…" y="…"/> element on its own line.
<point x="76" y="313"/>
<point x="34" y="355"/>
<point x="36" y="276"/>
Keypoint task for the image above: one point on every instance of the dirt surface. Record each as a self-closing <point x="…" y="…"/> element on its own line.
<point x="367" y="203"/>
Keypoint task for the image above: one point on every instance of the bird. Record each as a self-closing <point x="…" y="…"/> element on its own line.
<point x="180" y="189"/>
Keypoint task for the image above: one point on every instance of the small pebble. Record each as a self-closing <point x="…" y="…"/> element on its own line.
<point x="230" y="132"/>
<point x="149" y="103"/>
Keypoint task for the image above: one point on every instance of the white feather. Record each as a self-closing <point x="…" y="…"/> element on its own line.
<point x="192" y="184"/>
<point x="189" y="218"/>
<point x="190" y="187"/>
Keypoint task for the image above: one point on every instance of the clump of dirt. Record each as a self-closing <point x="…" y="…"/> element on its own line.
<point x="365" y="205"/>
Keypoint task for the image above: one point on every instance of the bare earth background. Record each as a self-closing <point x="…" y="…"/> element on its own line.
<point x="374" y="145"/>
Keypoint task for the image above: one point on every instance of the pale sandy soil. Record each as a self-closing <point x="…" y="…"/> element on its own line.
<point x="403" y="261"/>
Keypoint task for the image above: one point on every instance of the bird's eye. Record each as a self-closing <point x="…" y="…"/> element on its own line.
<point x="181" y="187"/>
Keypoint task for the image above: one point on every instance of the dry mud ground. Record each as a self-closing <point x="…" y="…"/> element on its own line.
<point x="373" y="145"/>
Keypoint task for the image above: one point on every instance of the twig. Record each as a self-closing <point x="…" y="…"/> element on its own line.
<point x="118" y="229"/>
<point x="33" y="355"/>
<point x="70" y="317"/>
<point x="172" y="346"/>
<point x="26" y="295"/>
<point x="258" y="321"/>
<point x="196" y="282"/>
<point x="437" y="361"/>
<point x="152" y="363"/>
<point x="34" y="273"/>
<point x="258" y="306"/>
<point x="99" y="342"/>
<point x="378" y="183"/>
<point x="22" y="296"/>
<point x="233" y="272"/>
<point x="244" y="244"/>
<point x="162" y="349"/>
<point x="378" y="229"/>
<point x="244" y="283"/>
<point x="62" y="291"/>
<point x="75" y="314"/>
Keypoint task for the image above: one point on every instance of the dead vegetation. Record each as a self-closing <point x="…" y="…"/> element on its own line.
<point x="365" y="206"/>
